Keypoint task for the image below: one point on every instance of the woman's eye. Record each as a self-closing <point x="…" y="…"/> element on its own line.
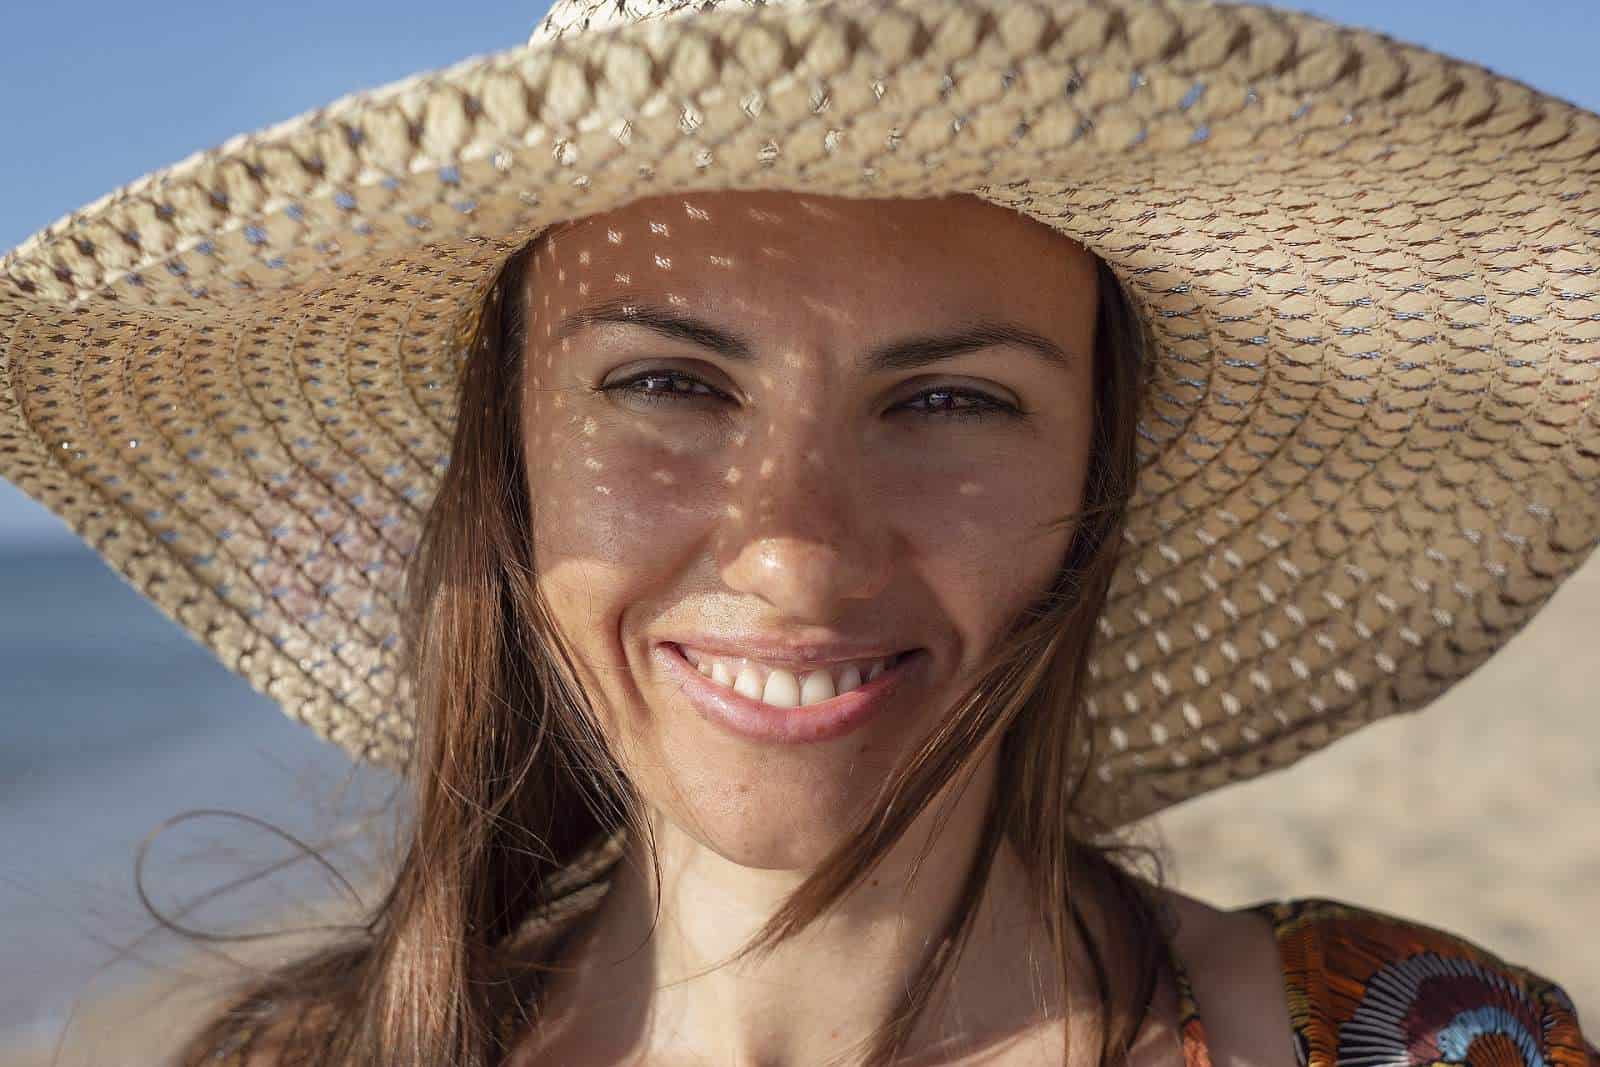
<point x="942" y="402"/>
<point x="665" y="390"/>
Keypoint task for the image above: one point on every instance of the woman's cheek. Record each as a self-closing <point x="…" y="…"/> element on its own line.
<point x="985" y="541"/>
<point x="620" y="505"/>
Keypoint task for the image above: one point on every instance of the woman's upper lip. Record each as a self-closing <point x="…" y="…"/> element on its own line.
<point x="784" y="652"/>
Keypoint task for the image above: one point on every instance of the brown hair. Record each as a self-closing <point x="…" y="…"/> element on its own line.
<point x="512" y="778"/>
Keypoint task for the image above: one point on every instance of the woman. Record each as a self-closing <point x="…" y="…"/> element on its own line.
<point x="802" y="588"/>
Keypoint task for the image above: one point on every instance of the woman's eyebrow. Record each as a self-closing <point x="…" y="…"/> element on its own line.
<point x="904" y="354"/>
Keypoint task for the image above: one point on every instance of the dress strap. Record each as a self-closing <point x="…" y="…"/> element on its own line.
<point x="1191" y="1030"/>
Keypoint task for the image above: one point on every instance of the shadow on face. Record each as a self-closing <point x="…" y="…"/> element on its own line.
<point x="764" y="415"/>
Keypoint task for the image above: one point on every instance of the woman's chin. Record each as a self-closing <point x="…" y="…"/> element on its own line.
<point x="771" y="831"/>
<point x="759" y="849"/>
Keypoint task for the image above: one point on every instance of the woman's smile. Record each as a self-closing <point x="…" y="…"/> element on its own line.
<point x="776" y="711"/>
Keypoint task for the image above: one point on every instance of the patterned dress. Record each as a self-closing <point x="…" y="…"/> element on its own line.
<point x="1366" y="989"/>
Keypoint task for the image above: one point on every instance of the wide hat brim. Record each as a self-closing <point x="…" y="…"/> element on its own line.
<point x="1371" y="449"/>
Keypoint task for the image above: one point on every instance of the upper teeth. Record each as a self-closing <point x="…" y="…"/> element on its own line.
<point x="780" y="687"/>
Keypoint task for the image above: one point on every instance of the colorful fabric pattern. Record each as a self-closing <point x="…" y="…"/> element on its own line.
<point x="1367" y="989"/>
<point x="1364" y="989"/>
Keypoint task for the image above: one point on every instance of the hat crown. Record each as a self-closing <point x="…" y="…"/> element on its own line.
<point x="578" y="16"/>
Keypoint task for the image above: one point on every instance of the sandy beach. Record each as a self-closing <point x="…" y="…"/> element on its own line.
<point x="1477" y="815"/>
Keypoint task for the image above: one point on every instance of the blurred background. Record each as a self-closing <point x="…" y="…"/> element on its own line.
<point x="1478" y="814"/>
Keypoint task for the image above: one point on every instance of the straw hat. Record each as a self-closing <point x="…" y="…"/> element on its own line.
<point x="1369" y="272"/>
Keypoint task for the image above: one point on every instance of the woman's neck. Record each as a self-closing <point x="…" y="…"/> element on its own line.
<point x="666" y="994"/>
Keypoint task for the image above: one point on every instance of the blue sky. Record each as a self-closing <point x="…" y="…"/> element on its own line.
<point x="97" y="93"/>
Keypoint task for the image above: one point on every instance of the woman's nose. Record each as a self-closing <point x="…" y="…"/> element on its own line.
<point x="803" y="530"/>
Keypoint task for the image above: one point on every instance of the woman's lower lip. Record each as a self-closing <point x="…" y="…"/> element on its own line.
<point x="758" y="721"/>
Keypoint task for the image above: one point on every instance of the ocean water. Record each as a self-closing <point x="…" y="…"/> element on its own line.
<point x="112" y="721"/>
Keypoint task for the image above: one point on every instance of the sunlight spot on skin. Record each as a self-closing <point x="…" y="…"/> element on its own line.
<point x="740" y="437"/>
<point x="768" y="465"/>
<point x="566" y="345"/>
<point x="590" y="427"/>
<point x="583" y="288"/>
<point x="661" y="228"/>
<point x="733" y="511"/>
<point x="547" y="300"/>
<point x="603" y="489"/>
<point x="561" y="275"/>
<point x="699" y="214"/>
<point x="560" y="401"/>
<point x="664" y="477"/>
<point x="664" y="262"/>
<point x="766" y="381"/>
<point x="614" y="236"/>
<point x="677" y="301"/>
<point x="594" y="464"/>
<point x="760" y="215"/>
<point x="623" y="279"/>
<point x="733" y="476"/>
<point x="583" y="257"/>
<point x="721" y="261"/>
<point x="549" y="329"/>
<point x="793" y="359"/>
<point x="820" y="211"/>
<point x="549" y="358"/>
<point x="819" y="307"/>
<point x="970" y="489"/>
<point x="776" y="253"/>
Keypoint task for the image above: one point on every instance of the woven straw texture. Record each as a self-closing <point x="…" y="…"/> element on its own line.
<point x="1371" y="452"/>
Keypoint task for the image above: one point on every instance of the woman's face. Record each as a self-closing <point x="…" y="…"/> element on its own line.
<point x="764" y="418"/>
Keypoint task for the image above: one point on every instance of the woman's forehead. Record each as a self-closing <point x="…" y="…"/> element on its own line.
<point x="782" y="254"/>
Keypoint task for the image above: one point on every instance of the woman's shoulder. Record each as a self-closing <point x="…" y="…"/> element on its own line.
<point x="1365" y="986"/>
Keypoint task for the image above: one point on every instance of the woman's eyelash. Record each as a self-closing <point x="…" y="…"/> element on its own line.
<point x="985" y="407"/>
